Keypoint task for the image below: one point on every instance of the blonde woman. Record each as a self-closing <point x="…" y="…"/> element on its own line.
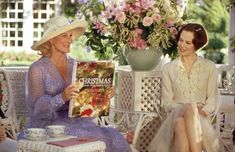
<point x="49" y="87"/>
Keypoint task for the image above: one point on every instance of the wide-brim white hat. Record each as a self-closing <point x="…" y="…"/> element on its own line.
<point x="58" y="25"/>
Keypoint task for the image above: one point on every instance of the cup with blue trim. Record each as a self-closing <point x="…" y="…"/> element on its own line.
<point x="55" y="130"/>
<point x="35" y="133"/>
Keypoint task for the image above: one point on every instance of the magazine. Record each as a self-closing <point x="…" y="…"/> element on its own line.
<point x="94" y="80"/>
<point x="71" y="141"/>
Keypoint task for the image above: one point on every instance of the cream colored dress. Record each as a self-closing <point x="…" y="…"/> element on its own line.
<point x="199" y="87"/>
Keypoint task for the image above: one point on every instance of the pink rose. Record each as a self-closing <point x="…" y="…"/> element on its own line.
<point x="147" y="21"/>
<point x="138" y="31"/>
<point x="141" y="44"/>
<point x="132" y="43"/>
<point x="156" y="17"/>
<point x="121" y="17"/>
<point x="138" y="43"/>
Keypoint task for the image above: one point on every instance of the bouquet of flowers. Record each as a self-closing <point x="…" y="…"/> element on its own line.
<point x="136" y="24"/>
<point x="139" y="24"/>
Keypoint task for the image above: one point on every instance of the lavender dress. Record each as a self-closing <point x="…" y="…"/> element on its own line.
<point x="46" y="106"/>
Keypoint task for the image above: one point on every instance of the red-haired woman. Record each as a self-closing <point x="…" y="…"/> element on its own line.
<point x="190" y="95"/>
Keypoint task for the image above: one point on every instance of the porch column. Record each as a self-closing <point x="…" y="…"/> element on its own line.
<point x="58" y="5"/>
<point x="231" y="55"/>
<point x="28" y="25"/>
<point x="0" y="35"/>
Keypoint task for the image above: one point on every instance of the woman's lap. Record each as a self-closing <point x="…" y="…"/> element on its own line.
<point x="165" y="135"/>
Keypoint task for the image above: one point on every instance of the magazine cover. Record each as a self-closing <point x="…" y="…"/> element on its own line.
<point x="94" y="81"/>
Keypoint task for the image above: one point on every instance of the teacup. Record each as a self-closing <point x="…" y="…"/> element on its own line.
<point x="35" y="133"/>
<point x="55" y="130"/>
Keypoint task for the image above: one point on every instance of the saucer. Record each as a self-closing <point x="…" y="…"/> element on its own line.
<point x="35" y="138"/>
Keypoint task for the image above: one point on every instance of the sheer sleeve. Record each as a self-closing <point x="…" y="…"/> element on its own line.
<point x="212" y="91"/>
<point x="167" y="91"/>
<point x="41" y="105"/>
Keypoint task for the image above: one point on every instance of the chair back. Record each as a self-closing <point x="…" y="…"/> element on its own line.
<point x="226" y="76"/>
<point x="13" y="105"/>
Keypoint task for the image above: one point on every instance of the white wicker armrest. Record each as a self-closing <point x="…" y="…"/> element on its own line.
<point x="8" y="124"/>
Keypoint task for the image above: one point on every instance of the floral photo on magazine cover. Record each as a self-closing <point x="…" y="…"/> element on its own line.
<point x="94" y="81"/>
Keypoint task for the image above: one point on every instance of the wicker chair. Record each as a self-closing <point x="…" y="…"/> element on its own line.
<point x="225" y="119"/>
<point x="14" y="106"/>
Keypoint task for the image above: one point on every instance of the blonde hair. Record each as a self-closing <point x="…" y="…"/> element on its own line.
<point x="45" y="49"/>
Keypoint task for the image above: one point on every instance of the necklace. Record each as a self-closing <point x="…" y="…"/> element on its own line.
<point x="188" y="65"/>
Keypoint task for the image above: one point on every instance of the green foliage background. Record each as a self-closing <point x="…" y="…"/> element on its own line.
<point x="214" y="16"/>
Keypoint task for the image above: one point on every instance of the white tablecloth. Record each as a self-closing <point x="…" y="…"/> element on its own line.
<point x="42" y="146"/>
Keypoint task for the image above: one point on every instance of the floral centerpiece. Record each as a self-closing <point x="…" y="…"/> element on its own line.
<point x="139" y="24"/>
<point x="136" y="24"/>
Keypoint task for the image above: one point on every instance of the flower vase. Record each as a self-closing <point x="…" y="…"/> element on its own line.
<point x="143" y="59"/>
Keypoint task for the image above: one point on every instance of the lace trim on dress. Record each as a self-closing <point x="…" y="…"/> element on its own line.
<point x="188" y="84"/>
